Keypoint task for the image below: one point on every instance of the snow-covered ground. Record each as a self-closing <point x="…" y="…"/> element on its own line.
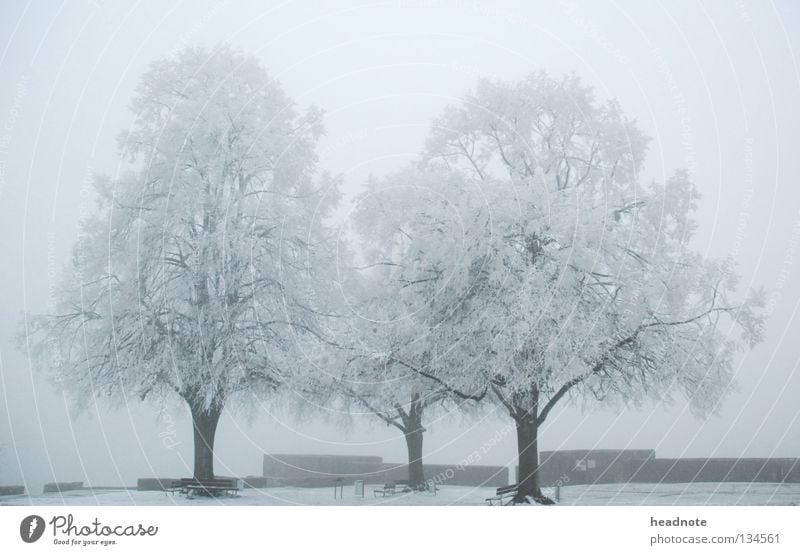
<point x="601" y="494"/>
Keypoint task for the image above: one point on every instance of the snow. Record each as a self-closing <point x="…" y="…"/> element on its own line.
<point x="596" y="495"/>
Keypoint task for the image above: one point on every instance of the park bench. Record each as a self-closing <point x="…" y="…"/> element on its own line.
<point x="503" y="493"/>
<point x="391" y="488"/>
<point x="209" y="488"/>
<point x="388" y="489"/>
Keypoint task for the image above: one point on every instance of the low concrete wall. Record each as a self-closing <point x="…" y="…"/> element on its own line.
<point x="57" y="487"/>
<point x="320" y="470"/>
<point x="12" y="490"/>
<point x="324" y="470"/>
<point x="160" y="484"/>
<point x="154" y="484"/>
<point x="254" y="482"/>
<point x="590" y="466"/>
<point x="574" y="467"/>
<point x="718" y="470"/>
<point x="608" y="466"/>
<point x="455" y="475"/>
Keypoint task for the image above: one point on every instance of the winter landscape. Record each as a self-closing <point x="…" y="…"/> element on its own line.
<point x="599" y="495"/>
<point x="536" y="265"/>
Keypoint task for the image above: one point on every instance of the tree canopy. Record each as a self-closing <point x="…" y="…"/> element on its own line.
<point x="201" y="265"/>
<point x="550" y="271"/>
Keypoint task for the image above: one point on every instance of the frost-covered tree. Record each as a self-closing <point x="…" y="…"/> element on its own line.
<point x="567" y="279"/>
<point x="201" y="267"/>
<point x="382" y="332"/>
<point x="374" y="384"/>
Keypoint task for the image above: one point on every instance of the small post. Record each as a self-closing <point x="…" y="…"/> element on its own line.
<point x="558" y="493"/>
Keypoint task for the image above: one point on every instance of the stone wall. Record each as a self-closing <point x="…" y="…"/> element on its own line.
<point x="587" y="466"/>
<point x="455" y="475"/>
<point x="611" y="466"/>
<point x="154" y="484"/>
<point x="324" y="470"/>
<point x="254" y="482"/>
<point x="573" y="467"/>
<point x="321" y="470"/>
<point x="12" y="490"/>
<point x="56" y="487"/>
<point x="718" y="470"/>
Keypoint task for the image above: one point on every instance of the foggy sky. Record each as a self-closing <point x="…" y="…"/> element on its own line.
<point x="715" y="84"/>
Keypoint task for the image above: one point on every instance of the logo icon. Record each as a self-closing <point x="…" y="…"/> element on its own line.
<point x="31" y="528"/>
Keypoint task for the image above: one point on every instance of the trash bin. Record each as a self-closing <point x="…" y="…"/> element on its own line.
<point x="359" y="488"/>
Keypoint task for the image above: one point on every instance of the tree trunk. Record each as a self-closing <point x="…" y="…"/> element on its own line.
<point x="413" y="433"/>
<point x="204" y="422"/>
<point x="528" y="448"/>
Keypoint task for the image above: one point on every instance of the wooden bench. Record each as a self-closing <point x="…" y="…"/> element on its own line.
<point x="388" y="489"/>
<point x="502" y="493"/>
<point x="391" y="488"/>
<point x="209" y="488"/>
